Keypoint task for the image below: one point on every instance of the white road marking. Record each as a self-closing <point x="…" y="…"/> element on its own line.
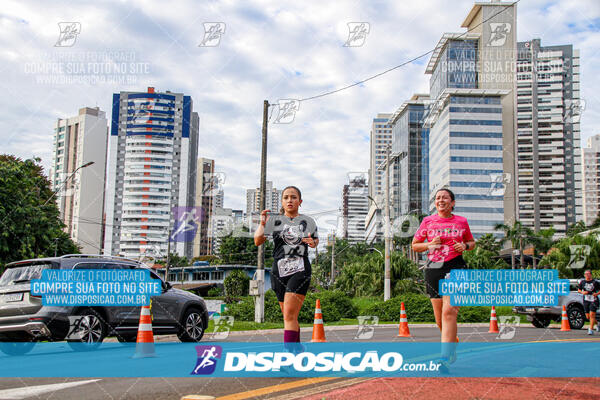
<point x="28" y="391"/>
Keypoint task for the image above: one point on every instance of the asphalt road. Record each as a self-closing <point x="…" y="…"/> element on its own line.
<point x="176" y="388"/>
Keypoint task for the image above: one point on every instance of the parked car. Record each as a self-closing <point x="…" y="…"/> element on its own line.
<point x="541" y="317"/>
<point x="24" y="320"/>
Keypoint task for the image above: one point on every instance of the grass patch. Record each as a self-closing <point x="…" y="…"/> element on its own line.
<point x="363" y="303"/>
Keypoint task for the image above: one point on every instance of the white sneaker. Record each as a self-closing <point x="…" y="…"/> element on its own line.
<point x="590" y="331"/>
<point x="597" y="327"/>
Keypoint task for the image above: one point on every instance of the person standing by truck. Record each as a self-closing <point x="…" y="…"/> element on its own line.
<point x="590" y="289"/>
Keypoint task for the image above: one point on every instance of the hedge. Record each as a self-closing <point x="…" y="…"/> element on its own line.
<point x="418" y="309"/>
<point x="334" y="306"/>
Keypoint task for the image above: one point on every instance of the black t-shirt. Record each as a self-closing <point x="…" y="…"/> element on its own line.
<point x="288" y="233"/>
<point x="592" y="286"/>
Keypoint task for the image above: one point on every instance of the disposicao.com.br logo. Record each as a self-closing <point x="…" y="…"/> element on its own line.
<point x="328" y="361"/>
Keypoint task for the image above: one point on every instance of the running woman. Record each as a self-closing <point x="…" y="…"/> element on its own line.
<point x="590" y="289"/>
<point x="292" y="234"/>
<point x="448" y="236"/>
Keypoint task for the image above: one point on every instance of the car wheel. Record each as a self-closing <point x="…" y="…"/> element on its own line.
<point x="89" y="332"/>
<point x="193" y="326"/>
<point x="16" y="348"/>
<point x="576" y="317"/>
<point x="540" y="322"/>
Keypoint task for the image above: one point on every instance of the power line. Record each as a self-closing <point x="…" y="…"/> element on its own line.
<point x="406" y="62"/>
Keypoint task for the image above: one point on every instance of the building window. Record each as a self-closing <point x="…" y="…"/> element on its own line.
<point x="217" y="275"/>
<point x="201" y="276"/>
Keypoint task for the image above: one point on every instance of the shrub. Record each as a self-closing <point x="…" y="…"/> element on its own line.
<point x="334" y="306"/>
<point x="418" y="308"/>
<point x="237" y="284"/>
<point x="215" y="292"/>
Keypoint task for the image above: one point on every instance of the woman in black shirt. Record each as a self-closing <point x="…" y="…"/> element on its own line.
<point x="292" y="234"/>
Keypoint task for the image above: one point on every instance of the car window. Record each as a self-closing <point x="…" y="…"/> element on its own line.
<point x="22" y="273"/>
<point x="97" y="265"/>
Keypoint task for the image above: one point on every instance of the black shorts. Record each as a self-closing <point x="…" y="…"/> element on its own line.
<point x="434" y="275"/>
<point x="590" y="306"/>
<point x="295" y="283"/>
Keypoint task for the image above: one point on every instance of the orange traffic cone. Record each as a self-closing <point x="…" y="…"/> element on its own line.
<point x="318" y="329"/>
<point x="144" y="346"/>
<point x="403" y="330"/>
<point x="564" y="323"/>
<point x="493" y="322"/>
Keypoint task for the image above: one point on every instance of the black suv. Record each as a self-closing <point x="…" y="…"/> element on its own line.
<point x="24" y="320"/>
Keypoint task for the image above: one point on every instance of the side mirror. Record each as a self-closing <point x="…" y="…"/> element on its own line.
<point x="166" y="286"/>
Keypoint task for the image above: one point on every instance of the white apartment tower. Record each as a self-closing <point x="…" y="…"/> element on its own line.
<point x="77" y="141"/>
<point x="591" y="179"/>
<point x="549" y="148"/>
<point x="272" y="201"/>
<point x="151" y="174"/>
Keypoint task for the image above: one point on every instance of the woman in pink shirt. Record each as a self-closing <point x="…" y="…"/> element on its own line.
<point x="448" y="236"/>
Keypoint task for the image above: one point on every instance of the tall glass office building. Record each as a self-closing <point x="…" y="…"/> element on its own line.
<point x="410" y="146"/>
<point x="472" y="117"/>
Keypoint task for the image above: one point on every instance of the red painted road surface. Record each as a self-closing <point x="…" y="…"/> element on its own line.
<point x="469" y="388"/>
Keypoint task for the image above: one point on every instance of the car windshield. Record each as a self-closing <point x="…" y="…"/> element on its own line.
<point x="22" y="273"/>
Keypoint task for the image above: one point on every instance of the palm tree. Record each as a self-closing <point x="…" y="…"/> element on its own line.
<point x="518" y="235"/>
<point x="542" y="242"/>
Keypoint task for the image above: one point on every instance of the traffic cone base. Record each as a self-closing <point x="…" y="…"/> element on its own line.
<point x="493" y="322"/>
<point x="318" y="334"/>
<point x="403" y="330"/>
<point x="144" y="346"/>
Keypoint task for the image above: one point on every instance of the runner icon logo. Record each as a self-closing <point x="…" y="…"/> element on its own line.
<point x="207" y="359"/>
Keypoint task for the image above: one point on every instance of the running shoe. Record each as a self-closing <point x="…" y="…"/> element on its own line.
<point x="590" y="331"/>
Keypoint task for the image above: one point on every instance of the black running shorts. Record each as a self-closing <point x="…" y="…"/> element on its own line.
<point x="295" y="283"/>
<point x="434" y="275"/>
<point x="590" y="306"/>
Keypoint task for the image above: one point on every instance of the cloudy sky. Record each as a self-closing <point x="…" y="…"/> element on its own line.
<point x="270" y="50"/>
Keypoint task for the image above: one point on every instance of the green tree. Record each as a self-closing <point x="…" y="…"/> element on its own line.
<point x="29" y="218"/>
<point x="242" y="250"/>
<point x="490" y="243"/>
<point x="576" y="228"/>
<point x="175" y="261"/>
<point x="542" y="242"/>
<point x="564" y="257"/>
<point x="519" y="236"/>
<point x="237" y="284"/>
<point x="364" y="276"/>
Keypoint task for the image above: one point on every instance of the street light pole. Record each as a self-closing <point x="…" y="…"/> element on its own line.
<point x="387" y="281"/>
<point x="66" y="180"/>
<point x="259" y="305"/>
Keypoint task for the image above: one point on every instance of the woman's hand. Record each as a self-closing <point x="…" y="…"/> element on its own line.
<point x="460" y="246"/>
<point x="434" y="244"/>
<point x="264" y="217"/>
<point x="309" y="241"/>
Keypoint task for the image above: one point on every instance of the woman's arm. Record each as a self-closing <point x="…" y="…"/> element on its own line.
<point x="419" y="246"/>
<point x="259" y="234"/>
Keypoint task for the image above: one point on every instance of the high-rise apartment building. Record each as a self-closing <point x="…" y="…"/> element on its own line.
<point x="355" y="206"/>
<point x="549" y="170"/>
<point x="410" y="149"/>
<point x="381" y="137"/>
<point x="272" y="201"/>
<point x="151" y="173"/>
<point x="591" y="179"/>
<point x="472" y="117"/>
<point x="77" y="141"/>
<point x="206" y="188"/>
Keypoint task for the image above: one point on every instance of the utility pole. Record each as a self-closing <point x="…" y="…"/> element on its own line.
<point x="168" y="254"/>
<point x="387" y="281"/>
<point x="332" y="258"/>
<point x="259" y="305"/>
